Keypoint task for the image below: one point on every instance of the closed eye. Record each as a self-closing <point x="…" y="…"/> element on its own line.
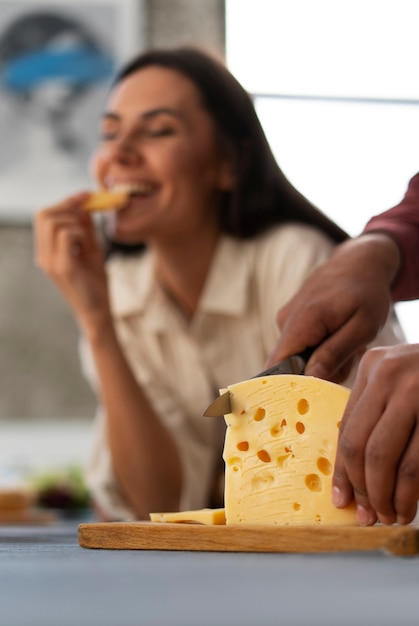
<point x="159" y="132"/>
<point x="107" y="136"/>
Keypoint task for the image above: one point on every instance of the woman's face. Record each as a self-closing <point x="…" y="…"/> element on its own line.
<point x="158" y="140"/>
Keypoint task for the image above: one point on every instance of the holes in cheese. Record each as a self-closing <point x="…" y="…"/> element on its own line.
<point x="324" y="466"/>
<point x="277" y="429"/>
<point x="283" y="475"/>
<point x="288" y="450"/>
<point x="262" y="480"/>
<point x="259" y="414"/>
<point x="303" y="406"/>
<point x="235" y="463"/>
<point x="282" y="459"/>
<point x="264" y="456"/>
<point x="313" y="482"/>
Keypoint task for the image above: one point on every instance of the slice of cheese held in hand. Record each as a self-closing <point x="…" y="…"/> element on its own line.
<point x="279" y="451"/>
<point x="105" y="200"/>
<point x="200" y="516"/>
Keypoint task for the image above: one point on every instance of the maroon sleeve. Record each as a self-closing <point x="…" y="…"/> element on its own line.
<point x="402" y="224"/>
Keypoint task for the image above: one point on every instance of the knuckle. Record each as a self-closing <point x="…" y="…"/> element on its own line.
<point x="372" y="356"/>
<point x="339" y="476"/>
<point x="375" y="455"/>
<point x="408" y="386"/>
<point x="382" y="360"/>
<point x="409" y="471"/>
<point x="388" y="366"/>
<point x="361" y="495"/>
<point x="350" y="450"/>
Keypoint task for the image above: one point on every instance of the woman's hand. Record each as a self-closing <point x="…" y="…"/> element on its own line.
<point x="68" y="252"/>
<point x="377" y="460"/>
<point x="145" y="457"/>
<point x="341" y="307"/>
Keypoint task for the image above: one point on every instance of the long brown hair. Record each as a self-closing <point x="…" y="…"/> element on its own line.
<point x="263" y="196"/>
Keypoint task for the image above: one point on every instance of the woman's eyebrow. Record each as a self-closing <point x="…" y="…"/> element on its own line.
<point x="110" y="116"/>
<point x="146" y="115"/>
<point x="161" y="111"/>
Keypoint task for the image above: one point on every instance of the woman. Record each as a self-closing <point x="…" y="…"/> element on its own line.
<point x="211" y="243"/>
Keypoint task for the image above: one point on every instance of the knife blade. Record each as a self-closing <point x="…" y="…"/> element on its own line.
<point x="294" y="364"/>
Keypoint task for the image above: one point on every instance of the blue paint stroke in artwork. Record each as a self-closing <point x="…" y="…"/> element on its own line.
<point x="79" y="66"/>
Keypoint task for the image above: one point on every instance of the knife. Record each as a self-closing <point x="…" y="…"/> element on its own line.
<point x="294" y="364"/>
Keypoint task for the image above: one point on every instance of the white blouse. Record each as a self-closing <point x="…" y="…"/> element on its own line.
<point x="181" y="365"/>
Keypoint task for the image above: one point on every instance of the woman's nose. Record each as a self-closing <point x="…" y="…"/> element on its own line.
<point x="126" y="151"/>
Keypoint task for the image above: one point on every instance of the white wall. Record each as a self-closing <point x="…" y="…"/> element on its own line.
<point x="335" y="87"/>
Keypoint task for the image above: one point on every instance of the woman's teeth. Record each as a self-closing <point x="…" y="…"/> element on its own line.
<point x="137" y="189"/>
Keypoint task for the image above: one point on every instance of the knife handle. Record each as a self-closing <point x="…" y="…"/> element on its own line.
<point x="297" y="362"/>
<point x="306" y="354"/>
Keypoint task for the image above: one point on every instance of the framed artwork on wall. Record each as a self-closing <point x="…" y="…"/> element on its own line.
<point x="57" y="60"/>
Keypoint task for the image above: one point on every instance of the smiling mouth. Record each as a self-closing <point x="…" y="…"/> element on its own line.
<point x="139" y="190"/>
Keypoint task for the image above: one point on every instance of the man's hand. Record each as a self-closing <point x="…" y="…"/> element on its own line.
<point x="377" y="461"/>
<point x="341" y="307"/>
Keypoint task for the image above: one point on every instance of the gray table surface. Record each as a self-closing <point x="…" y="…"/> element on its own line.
<point x="46" y="579"/>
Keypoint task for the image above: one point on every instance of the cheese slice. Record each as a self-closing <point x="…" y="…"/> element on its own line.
<point x="279" y="451"/>
<point x="105" y="200"/>
<point x="200" y="516"/>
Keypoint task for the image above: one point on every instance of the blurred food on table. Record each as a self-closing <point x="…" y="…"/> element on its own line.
<point x="63" y="490"/>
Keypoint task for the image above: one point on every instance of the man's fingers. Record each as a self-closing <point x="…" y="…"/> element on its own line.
<point x="338" y="344"/>
<point x="378" y="447"/>
<point x="406" y="494"/>
<point x="342" y="492"/>
<point x="383" y="454"/>
<point x="343" y="345"/>
<point x="349" y="480"/>
<point x="296" y="333"/>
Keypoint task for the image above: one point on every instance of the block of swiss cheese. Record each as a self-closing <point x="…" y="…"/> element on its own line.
<point x="279" y="451"/>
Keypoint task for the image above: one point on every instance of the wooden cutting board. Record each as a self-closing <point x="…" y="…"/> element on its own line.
<point x="398" y="540"/>
<point x="27" y="516"/>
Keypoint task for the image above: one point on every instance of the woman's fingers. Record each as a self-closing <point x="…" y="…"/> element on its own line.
<point x="49" y="222"/>
<point x="71" y="243"/>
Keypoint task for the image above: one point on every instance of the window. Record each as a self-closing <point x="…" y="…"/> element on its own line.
<point x="335" y="88"/>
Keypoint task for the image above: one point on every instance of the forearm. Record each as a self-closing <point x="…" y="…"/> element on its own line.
<point x="372" y="255"/>
<point x="401" y="223"/>
<point x="144" y="455"/>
